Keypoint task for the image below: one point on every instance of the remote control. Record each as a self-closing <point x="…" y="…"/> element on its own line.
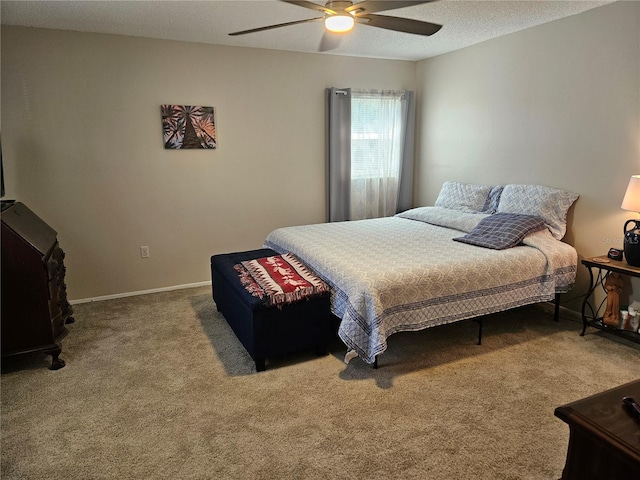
<point x="632" y="406"/>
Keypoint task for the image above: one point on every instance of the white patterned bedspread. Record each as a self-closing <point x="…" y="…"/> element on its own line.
<point x="406" y="273"/>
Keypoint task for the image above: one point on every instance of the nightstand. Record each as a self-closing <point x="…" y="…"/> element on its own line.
<point x="599" y="269"/>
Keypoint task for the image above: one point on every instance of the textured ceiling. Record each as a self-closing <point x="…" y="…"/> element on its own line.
<point x="464" y="23"/>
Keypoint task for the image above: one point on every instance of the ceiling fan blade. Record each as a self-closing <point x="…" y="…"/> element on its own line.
<point x="311" y="5"/>
<point x="269" y="27"/>
<point x="405" y="25"/>
<point x="330" y="41"/>
<point x="375" y="6"/>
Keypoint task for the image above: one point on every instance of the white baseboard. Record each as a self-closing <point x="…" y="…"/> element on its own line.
<point x="141" y="292"/>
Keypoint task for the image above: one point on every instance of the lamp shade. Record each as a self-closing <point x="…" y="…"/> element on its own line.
<point x="631" y="200"/>
<point x="340" y="23"/>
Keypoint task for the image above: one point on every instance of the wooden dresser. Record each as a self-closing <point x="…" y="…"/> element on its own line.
<point x="34" y="296"/>
<point x="604" y="439"/>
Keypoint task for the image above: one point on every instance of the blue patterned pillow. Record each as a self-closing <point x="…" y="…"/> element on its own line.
<point x="493" y="200"/>
<point x="502" y="230"/>
<point x="548" y="203"/>
<point x="465" y="197"/>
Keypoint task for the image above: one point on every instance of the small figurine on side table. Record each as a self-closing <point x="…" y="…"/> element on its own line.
<point x="613" y="286"/>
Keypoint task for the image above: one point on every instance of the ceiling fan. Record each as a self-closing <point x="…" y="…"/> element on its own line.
<point x="340" y="17"/>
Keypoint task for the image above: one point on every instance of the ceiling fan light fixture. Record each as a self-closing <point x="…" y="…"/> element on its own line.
<point x="339" y="23"/>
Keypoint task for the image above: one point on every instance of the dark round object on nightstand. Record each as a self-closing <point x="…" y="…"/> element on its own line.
<point x="632" y="243"/>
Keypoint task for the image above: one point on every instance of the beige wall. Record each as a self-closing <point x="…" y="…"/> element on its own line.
<point x="558" y="105"/>
<point x="82" y="145"/>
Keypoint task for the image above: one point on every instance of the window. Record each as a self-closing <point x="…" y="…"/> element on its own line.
<point x="369" y="153"/>
<point x="376" y="134"/>
<point x="376" y="149"/>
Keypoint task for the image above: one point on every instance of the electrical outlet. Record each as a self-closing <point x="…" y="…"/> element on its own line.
<point x="144" y="251"/>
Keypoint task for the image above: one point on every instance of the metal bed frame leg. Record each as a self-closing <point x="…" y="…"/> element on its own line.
<point x="556" y="317"/>
<point x="478" y="320"/>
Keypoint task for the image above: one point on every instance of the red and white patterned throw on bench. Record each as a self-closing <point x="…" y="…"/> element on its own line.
<point x="280" y="279"/>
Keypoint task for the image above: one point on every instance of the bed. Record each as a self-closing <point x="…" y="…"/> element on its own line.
<point x="428" y="266"/>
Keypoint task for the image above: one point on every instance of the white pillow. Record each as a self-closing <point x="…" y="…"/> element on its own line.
<point x="548" y="203"/>
<point x="465" y="197"/>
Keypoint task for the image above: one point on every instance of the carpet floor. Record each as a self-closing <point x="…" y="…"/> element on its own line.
<point x="157" y="386"/>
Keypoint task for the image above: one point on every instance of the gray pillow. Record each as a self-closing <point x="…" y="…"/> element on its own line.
<point x="502" y="230"/>
<point x="548" y="203"/>
<point x="465" y="197"/>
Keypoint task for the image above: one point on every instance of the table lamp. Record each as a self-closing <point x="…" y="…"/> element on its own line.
<point x="631" y="202"/>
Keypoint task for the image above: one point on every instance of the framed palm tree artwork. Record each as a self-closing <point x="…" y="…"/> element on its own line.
<point x="184" y="126"/>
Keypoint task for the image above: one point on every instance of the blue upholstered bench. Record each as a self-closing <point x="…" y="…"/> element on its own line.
<point x="263" y="330"/>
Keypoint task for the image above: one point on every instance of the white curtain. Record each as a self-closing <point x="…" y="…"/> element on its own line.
<point x="376" y="149"/>
<point x="369" y="153"/>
